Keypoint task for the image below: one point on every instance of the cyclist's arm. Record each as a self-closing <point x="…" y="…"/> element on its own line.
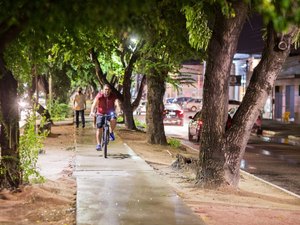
<point x="118" y="110"/>
<point x="117" y="106"/>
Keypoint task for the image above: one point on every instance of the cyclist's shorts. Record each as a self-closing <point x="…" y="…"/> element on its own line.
<point x="100" y="119"/>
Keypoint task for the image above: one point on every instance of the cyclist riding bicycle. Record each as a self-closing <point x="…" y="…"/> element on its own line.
<point x="104" y="103"/>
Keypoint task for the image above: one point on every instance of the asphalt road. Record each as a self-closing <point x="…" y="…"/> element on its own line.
<point x="276" y="160"/>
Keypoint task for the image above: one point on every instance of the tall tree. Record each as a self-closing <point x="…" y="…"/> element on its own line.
<point x="221" y="151"/>
<point x="166" y="48"/>
<point x="10" y="172"/>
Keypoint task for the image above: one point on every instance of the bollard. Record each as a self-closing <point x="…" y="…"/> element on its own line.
<point x="286" y="117"/>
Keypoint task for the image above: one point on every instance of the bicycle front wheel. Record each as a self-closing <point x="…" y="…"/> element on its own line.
<point x="105" y="140"/>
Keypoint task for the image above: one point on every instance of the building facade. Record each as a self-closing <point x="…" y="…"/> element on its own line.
<point x="195" y="72"/>
<point x="283" y="101"/>
<point x="286" y="93"/>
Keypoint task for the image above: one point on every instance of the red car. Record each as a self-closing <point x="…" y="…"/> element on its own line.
<point x="196" y="124"/>
<point x="173" y="114"/>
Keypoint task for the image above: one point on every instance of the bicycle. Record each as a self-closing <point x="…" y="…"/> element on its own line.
<point x="105" y="134"/>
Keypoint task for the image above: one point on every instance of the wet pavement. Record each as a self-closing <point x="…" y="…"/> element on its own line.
<point x="278" y="164"/>
<point x="122" y="189"/>
<point x="275" y="156"/>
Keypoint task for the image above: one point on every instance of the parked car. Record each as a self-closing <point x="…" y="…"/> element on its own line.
<point x="195" y="126"/>
<point x="181" y="100"/>
<point x="173" y="114"/>
<point x="141" y="108"/>
<point x="169" y="100"/>
<point x="196" y="122"/>
<point x="194" y="104"/>
<point x="257" y="124"/>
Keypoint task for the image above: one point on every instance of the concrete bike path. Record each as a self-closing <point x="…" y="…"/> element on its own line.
<point x="122" y="189"/>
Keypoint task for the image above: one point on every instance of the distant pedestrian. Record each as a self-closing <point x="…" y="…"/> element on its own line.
<point x="79" y="105"/>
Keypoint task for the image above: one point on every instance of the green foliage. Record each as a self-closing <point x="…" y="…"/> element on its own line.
<point x="140" y="124"/>
<point x="166" y="41"/>
<point x="174" y="142"/>
<point x="280" y="13"/>
<point x="197" y="25"/>
<point x="57" y="110"/>
<point x="120" y="119"/>
<point x="200" y="16"/>
<point x="31" y="142"/>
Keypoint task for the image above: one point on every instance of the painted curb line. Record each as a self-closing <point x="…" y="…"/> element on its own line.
<point x="273" y="185"/>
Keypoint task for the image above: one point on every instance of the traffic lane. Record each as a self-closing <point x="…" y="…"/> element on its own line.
<point x="276" y="163"/>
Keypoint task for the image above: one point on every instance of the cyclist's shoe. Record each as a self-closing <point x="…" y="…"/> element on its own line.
<point x="98" y="147"/>
<point x="112" y="136"/>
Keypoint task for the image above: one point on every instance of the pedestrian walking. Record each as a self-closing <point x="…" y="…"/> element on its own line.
<point x="79" y="105"/>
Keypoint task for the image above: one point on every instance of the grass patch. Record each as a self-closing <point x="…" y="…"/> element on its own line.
<point x="174" y="143"/>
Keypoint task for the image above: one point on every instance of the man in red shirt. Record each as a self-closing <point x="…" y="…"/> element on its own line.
<point x="104" y="103"/>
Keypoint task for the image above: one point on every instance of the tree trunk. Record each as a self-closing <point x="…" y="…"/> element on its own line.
<point x="154" y="117"/>
<point x="127" y="107"/>
<point x="10" y="170"/>
<point x="221" y="50"/>
<point x="34" y="101"/>
<point x="260" y="87"/>
<point x="128" y="113"/>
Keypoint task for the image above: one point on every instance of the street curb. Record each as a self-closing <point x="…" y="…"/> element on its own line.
<point x="273" y="185"/>
<point x="63" y="122"/>
<point x="269" y="132"/>
<point x="273" y="133"/>
<point x="295" y="138"/>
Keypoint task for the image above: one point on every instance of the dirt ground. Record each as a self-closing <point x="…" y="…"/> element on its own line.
<point x="52" y="202"/>
<point x="254" y="203"/>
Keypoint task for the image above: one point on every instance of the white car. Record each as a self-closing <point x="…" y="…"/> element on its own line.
<point x="194" y="104"/>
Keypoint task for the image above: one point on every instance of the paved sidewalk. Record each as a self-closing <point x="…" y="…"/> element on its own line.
<point x="122" y="189"/>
